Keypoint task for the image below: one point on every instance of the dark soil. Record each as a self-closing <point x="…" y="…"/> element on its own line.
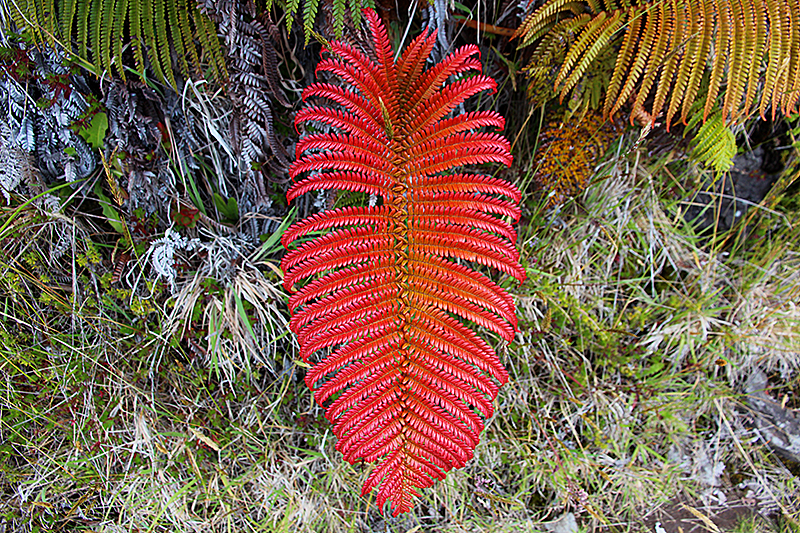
<point x="687" y="516"/>
<point x="722" y="202"/>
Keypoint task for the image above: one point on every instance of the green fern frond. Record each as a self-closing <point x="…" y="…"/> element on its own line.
<point x="148" y="38"/>
<point x="174" y="24"/>
<point x="46" y="10"/>
<point x="355" y="12"/>
<point x="291" y="9"/>
<point x="66" y="17"/>
<point x="105" y="26"/>
<point x="117" y="29"/>
<point x="207" y="36"/>
<point x="98" y="27"/>
<point x="714" y="144"/>
<point x="18" y="12"/>
<point x="339" y="7"/>
<point x="309" y="15"/>
<point x="162" y="51"/>
<point x="135" y="17"/>
<point x="38" y="16"/>
<point x="184" y="25"/>
<point x="311" y="9"/>
<point x="152" y="38"/>
<point x="95" y="32"/>
<point x="84" y="9"/>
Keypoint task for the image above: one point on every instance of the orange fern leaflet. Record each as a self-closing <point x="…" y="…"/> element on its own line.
<point x="406" y="383"/>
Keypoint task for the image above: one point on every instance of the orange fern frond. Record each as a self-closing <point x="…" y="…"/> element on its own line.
<point x="750" y="49"/>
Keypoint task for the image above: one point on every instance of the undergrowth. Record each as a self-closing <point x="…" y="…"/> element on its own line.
<point x="149" y="382"/>
<point x="626" y="391"/>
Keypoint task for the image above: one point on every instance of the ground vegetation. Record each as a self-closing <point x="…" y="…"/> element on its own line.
<point x="149" y="380"/>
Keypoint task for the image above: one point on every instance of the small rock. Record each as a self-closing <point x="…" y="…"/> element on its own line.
<point x="565" y="524"/>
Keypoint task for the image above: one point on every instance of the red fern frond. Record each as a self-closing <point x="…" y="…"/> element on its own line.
<point x="385" y="299"/>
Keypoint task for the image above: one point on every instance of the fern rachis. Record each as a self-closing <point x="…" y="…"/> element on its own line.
<point x="387" y="288"/>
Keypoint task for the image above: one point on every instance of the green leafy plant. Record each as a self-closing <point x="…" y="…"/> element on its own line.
<point x="714" y="144"/>
<point x="339" y="9"/>
<point x="155" y="28"/>
<point x="92" y="125"/>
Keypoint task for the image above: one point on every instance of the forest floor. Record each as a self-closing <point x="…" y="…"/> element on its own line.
<point x="628" y="407"/>
<point x="148" y="380"/>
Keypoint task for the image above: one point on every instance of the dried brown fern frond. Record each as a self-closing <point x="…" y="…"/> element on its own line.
<point x="255" y="82"/>
<point x="568" y="152"/>
<point x="750" y="50"/>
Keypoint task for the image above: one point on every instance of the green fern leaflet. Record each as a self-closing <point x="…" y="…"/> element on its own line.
<point x="95" y="29"/>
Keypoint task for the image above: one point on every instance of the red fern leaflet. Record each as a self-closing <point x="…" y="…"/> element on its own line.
<point x="406" y="383"/>
<point x="120" y="267"/>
